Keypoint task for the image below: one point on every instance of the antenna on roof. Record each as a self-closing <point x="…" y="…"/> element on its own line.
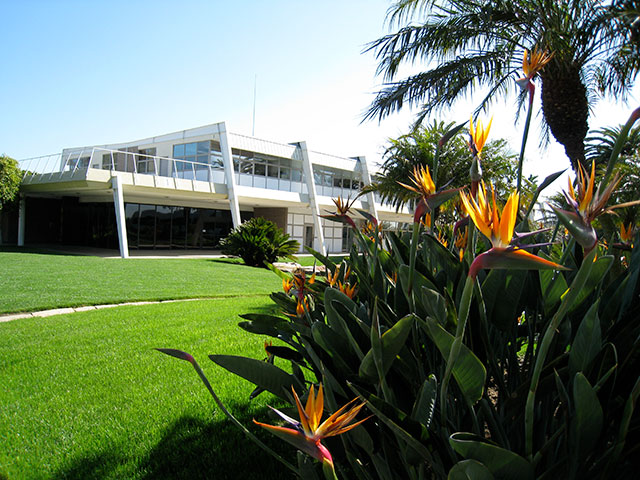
<point x="255" y="85"/>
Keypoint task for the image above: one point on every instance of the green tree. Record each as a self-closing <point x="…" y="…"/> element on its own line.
<point x="599" y="145"/>
<point x="416" y="149"/>
<point x="10" y="179"/>
<point x="469" y="44"/>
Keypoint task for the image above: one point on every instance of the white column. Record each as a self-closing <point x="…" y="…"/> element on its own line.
<point x="366" y="179"/>
<point x="227" y="160"/>
<point x="118" y="203"/>
<point x="307" y="168"/>
<point x="22" y="211"/>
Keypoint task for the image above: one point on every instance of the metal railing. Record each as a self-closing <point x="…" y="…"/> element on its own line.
<point x="50" y="166"/>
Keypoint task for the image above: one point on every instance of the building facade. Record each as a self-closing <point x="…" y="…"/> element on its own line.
<point x="187" y="190"/>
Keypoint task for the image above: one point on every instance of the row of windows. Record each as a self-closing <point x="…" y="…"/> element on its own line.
<point x="264" y="171"/>
<point x="198" y="155"/>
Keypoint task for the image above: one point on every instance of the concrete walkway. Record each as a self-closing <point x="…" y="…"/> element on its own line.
<point x="62" y="311"/>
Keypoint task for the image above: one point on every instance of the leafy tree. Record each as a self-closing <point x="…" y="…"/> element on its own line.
<point x="10" y="178"/>
<point x="599" y="146"/>
<point x="258" y="241"/>
<point x="469" y="44"/>
<point x="416" y="149"/>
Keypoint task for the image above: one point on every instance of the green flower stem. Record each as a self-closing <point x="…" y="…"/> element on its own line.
<point x="463" y="315"/>
<point x="329" y="471"/>
<point x="576" y="286"/>
<point x="617" y="148"/>
<point x="412" y="259"/>
<point x="436" y="162"/>
<point x="237" y="422"/>
<point x="525" y="135"/>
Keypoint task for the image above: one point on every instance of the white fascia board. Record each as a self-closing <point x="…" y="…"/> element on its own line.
<point x="265" y="147"/>
<point x="203" y="131"/>
<point x="326" y="160"/>
<point x="265" y="194"/>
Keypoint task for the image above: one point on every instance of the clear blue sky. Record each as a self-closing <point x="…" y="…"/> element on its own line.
<point x="84" y="72"/>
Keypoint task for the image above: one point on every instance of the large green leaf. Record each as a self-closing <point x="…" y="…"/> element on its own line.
<point x="332" y="299"/>
<point x="410" y="431"/>
<point x="262" y="374"/>
<point x="425" y="403"/>
<point x="598" y="270"/>
<point x="469" y="372"/>
<point x="553" y="286"/>
<point x="334" y="344"/>
<point x="502" y="290"/>
<point x="469" y="470"/>
<point x="435" y="304"/>
<point x="586" y="421"/>
<point x="503" y="464"/>
<point x="419" y="283"/>
<point x="587" y="342"/>
<point x="392" y="342"/>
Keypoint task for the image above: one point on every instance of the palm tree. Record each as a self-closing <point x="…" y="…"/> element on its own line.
<point x="469" y="44"/>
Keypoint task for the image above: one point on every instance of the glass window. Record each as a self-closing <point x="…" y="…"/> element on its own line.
<point x="259" y="169"/>
<point x="284" y="173"/>
<point x="178" y="151"/>
<point x="190" y="149"/>
<point x="203" y="147"/>
<point x="106" y="161"/>
<point x="296" y="175"/>
<point x="272" y="171"/>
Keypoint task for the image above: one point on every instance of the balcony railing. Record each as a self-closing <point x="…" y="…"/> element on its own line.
<point x="121" y="161"/>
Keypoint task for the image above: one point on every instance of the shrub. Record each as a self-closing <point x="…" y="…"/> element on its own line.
<point x="476" y="358"/>
<point x="258" y="241"/>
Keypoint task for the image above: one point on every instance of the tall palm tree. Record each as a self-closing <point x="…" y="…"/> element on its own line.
<point x="473" y="43"/>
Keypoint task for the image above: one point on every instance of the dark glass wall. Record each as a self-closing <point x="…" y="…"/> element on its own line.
<point x="67" y="221"/>
<point x="160" y="226"/>
<point x="70" y="222"/>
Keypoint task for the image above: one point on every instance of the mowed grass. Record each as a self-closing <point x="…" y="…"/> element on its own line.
<point x="31" y="281"/>
<point x="85" y="395"/>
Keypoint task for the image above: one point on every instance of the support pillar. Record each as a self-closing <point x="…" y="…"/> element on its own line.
<point x="227" y="160"/>
<point x="22" y="211"/>
<point x="118" y="203"/>
<point x="366" y="179"/>
<point x="307" y="168"/>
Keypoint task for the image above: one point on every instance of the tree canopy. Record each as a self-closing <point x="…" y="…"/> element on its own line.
<point x="416" y="149"/>
<point x="10" y="179"/>
<point x="468" y="45"/>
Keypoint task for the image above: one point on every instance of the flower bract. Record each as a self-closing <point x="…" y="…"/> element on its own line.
<point x="498" y="228"/>
<point x="307" y="433"/>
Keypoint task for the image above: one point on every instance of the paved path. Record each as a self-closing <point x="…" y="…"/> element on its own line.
<point x="61" y="311"/>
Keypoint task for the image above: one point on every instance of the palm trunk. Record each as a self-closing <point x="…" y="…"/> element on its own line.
<point x="566" y="109"/>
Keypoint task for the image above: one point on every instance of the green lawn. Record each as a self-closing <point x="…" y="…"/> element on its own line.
<point x="85" y="395"/>
<point x="31" y="281"/>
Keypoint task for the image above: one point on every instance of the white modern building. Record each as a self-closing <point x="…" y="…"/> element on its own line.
<point x="187" y="190"/>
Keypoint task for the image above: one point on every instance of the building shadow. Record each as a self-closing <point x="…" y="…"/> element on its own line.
<point x="192" y="448"/>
